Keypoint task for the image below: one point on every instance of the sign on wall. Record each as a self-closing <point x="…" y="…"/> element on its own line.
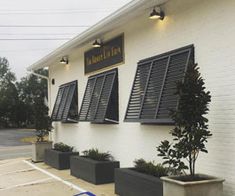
<point x="109" y="54"/>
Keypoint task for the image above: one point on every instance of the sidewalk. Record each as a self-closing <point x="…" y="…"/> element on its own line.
<point x="22" y="178"/>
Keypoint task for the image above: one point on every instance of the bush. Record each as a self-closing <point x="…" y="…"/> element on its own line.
<point x="63" y="147"/>
<point x="98" y="156"/>
<point x="150" y="168"/>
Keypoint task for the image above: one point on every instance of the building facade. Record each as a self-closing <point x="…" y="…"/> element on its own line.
<point x="205" y="28"/>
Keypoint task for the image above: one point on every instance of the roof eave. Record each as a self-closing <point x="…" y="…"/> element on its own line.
<point x="131" y="9"/>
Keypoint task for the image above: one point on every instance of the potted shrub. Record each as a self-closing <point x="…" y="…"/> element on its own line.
<point x="190" y="135"/>
<point x="59" y="156"/>
<point x="94" y="166"/>
<point x="143" y="179"/>
<point x="43" y="126"/>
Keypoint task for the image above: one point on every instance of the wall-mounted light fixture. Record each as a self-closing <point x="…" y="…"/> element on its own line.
<point x="52" y="81"/>
<point x="96" y="44"/>
<point x="64" y="60"/>
<point x="157" y="14"/>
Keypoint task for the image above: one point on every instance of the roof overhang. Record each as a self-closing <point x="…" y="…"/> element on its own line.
<point x="114" y="20"/>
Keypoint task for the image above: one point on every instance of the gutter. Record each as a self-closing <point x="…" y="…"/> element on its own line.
<point x="125" y="13"/>
<point x="39" y="75"/>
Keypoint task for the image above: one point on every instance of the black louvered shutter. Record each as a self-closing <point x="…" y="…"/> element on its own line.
<point x="84" y="116"/>
<point x="54" y="115"/>
<point x="71" y="101"/>
<point x="100" y="96"/>
<point x="153" y="92"/>
<point x="63" y="104"/>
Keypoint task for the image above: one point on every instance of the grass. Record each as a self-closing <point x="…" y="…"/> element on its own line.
<point x="30" y="139"/>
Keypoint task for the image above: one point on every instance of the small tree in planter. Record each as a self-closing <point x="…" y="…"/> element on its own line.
<point x="43" y="126"/>
<point x="43" y="123"/>
<point x="191" y="129"/>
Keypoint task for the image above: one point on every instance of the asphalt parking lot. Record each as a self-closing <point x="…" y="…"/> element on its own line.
<point x="12" y="137"/>
<point x="21" y="177"/>
<point x="11" y="145"/>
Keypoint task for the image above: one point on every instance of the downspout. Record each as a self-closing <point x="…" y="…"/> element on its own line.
<point x="48" y="85"/>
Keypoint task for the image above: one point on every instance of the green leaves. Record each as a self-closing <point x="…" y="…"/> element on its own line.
<point x="42" y="121"/>
<point x="8" y="96"/>
<point x="98" y="156"/>
<point x="63" y="147"/>
<point x="150" y="168"/>
<point x="17" y="98"/>
<point x="191" y="130"/>
<point x="172" y="157"/>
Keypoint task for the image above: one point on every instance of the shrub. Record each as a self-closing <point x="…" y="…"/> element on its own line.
<point x="98" y="156"/>
<point x="63" y="147"/>
<point x="150" y="168"/>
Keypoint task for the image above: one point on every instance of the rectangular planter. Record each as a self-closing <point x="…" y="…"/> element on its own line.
<point x="129" y="182"/>
<point x="58" y="160"/>
<point x="211" y="187"/>
<point x="38" y="149"/>
<point x="96" y="172"/>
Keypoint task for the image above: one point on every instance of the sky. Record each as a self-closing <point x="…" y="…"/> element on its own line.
<point x="30" y="29"/>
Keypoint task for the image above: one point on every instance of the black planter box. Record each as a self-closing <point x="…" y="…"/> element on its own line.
<point x="129" y="182"/>
<point x="96" y="172"/>
<point x="57" y="159"/>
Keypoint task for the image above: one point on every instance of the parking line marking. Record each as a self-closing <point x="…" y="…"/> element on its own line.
<point x="55" y="177"/>
<point x="26" y="184"/>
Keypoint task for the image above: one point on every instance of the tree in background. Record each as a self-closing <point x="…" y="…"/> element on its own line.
<point x="17" y="99"/>
<point x="29" y="89"/>
<point x="8" y="95"/>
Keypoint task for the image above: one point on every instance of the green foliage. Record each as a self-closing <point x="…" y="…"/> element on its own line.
<point x="98" y="156"/>
<point x="8" y="96"/>
<point x="191" y="129"/>
<point x="17" y="99"/>
<point x="150" y="168"/>
<point x="29" y="89"/>
<point x="63" y="147"/>
<point x="42" y="121"/>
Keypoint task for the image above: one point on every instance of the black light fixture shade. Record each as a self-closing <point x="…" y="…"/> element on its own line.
<point x="157" y="14"/>
<point x="96" y="44"/>
<point x="64" y="60"/>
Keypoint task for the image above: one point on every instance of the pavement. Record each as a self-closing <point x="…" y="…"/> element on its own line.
<point x="21" y="177"/>
<point x="12" y="137"/>
<point x="15" y="152"/>
<point x="11" y="145"/>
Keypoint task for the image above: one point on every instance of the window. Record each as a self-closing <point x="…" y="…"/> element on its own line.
<point x="100" y="101"/>
<point x="154" y="87"/>
<point x="66" y="104"/>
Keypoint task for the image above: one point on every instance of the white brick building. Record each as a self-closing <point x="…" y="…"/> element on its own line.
<point x="208" y="25"/>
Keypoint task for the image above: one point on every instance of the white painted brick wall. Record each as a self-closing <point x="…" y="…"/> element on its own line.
<point x="210" y="26"/>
